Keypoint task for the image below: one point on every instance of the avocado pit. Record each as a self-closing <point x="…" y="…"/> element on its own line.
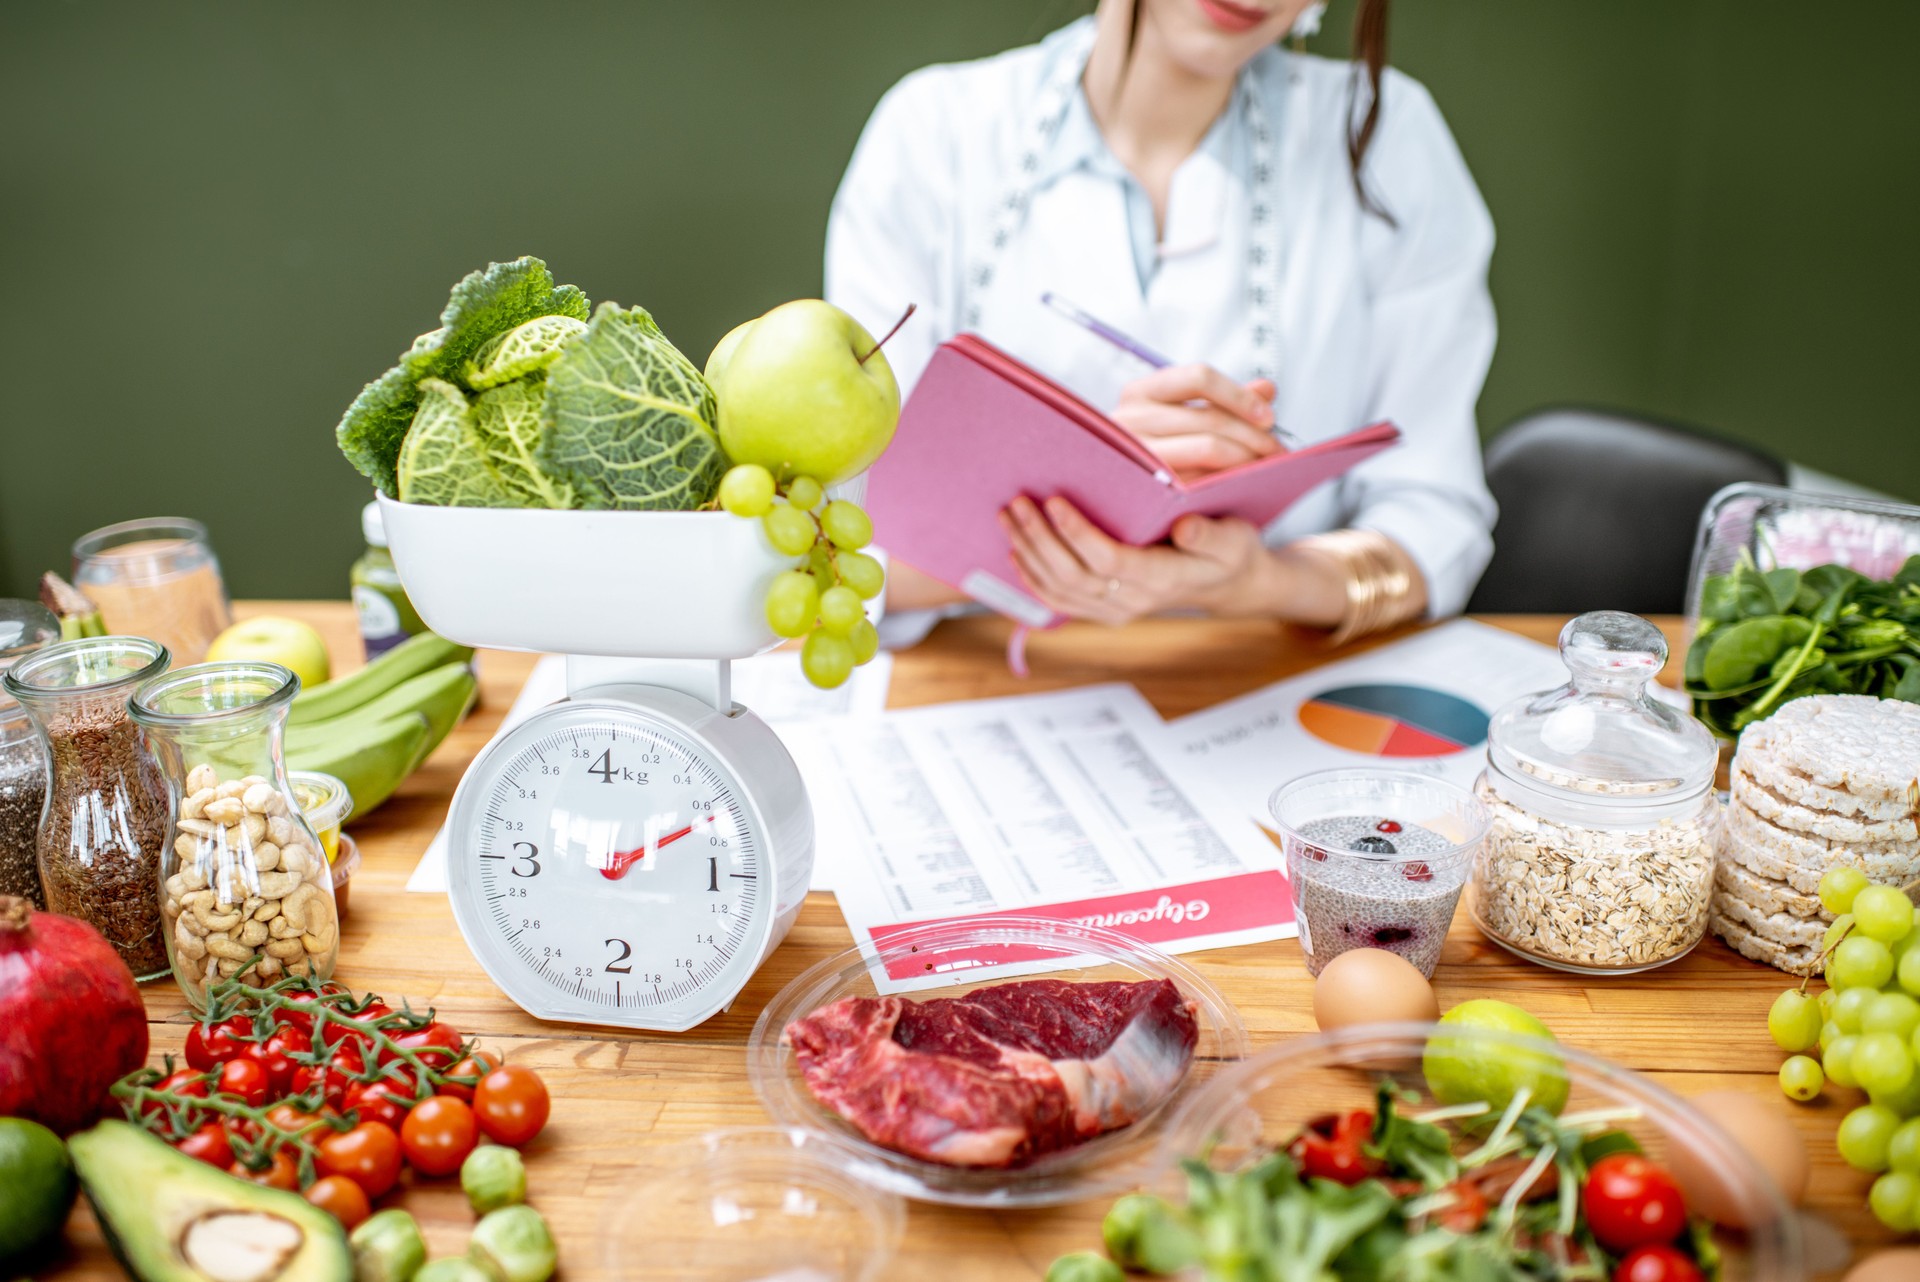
<point x="240" y="1246"/>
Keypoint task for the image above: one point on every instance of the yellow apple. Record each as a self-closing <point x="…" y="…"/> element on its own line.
<point x="272" y="638"/>
<point x="804" y="392"/>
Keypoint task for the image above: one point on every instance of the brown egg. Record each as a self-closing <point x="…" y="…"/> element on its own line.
<point x="1371" y="986"/>
<point x="1902" y="1264"/>
<point x="1765" y="1130"/>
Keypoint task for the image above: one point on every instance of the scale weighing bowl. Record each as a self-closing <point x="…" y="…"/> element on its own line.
<point x="663" y="585"/>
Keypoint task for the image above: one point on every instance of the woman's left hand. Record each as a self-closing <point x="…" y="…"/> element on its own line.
<point x="1078" y="571"/>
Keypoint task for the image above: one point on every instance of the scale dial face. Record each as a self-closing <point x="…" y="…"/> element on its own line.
<point x="606" y="866"/>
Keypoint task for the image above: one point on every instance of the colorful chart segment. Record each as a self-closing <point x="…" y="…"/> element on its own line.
<point x="1394" y="721"/>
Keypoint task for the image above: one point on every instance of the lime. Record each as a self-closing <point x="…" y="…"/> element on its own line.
<point x="38" y="1177"/>
<point x="1464" y="1069"/>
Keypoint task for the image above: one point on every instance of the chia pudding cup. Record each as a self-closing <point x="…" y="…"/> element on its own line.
<point x="1376" y="859"/>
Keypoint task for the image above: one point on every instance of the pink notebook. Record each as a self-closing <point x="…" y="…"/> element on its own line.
<point x="982" y="429"/>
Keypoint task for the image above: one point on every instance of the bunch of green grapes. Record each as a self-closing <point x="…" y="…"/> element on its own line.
<point x="822" y="600"/>
<point x="1865" y="1031"/>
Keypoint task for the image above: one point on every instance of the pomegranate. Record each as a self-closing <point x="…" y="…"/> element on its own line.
<point x="71" y="1019"/>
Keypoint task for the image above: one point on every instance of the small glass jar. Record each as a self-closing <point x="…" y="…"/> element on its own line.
<point x="386" y="615"/>
<point x="105" y="821"/>
<point x="1601" y="855"/>
<point x="155" y="578"/>
<point x="244" y="887"/>
<point x="25" y="626"/>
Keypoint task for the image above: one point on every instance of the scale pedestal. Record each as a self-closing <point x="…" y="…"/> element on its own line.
<point x="631" y="855"/>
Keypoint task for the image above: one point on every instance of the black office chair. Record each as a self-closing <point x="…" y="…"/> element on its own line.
<point x="1598" y="510"/>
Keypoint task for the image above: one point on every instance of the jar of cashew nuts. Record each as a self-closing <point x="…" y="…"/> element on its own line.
<point x="244" y="887"/>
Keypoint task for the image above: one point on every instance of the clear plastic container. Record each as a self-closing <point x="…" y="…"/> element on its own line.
<point x="752" y="1204"/>
<point x="25" y="626"/>
<point x="104" y="827"/>
<point x="1255" y="1107"/>
<point x="325" y="804"/>
<point x="244" y="887"/>
<point x="1601" y="855"/>
<point x="938" y="960"/>
<point x="1376" y="859"/>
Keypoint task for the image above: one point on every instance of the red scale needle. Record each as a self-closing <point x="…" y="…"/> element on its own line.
<point x="621" y="860"/>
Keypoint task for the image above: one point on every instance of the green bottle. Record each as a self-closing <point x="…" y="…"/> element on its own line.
<point x="387" y="617"/>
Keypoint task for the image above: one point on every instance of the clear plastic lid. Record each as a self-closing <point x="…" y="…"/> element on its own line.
<point x="1601" y="739"/>
<point x="25" y="626"/>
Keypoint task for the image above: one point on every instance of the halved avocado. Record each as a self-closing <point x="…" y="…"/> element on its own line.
<point x="173" y="1218"/>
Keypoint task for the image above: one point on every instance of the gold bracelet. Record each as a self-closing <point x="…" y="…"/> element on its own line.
<point x="1380" y="580"/>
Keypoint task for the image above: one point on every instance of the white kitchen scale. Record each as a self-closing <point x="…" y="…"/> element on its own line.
<point x="630" y="855"/>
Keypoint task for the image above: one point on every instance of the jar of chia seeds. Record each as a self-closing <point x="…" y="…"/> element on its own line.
<point x="25" y="626"/>
<point x="1601" y="855"/>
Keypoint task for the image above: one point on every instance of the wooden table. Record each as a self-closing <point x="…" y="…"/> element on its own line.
<point x="1697" y="1025"/>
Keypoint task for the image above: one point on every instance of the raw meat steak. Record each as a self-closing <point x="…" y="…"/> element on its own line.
<point x="1002" y="1075"/>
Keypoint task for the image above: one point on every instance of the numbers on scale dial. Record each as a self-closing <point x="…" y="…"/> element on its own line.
<point x="601" y="801"/>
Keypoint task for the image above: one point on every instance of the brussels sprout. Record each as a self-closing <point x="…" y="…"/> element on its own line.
<point x="1084" y="1266"/>
<point x="493" y="1176"/>
<point x="513" y="1245"/>
<point x="454" y="1269"/>
<point x="387" y="1247"/>
<point x="1142" y="1232"/>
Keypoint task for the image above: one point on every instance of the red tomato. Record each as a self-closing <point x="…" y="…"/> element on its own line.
<point x="369" y="1155"/>
<point x="282" y="1171"/>
<point x="511" y="1104"/>
<point x="276" y="1056"/>
<point x="1330" y="1148"/>
<point x="341" y="1198"/>
<point x="437" y="1044"/>
<point x="209" y="1144"/>
<point x="294" y="1017"/>
<point x="334" y="1034"/>
<point x="438" y="1134"/>
<point x="211" y="1047"/>
<point x="473" y="1067"/>
<point x="295" y="1121"/>
<point x="1631" y="1202"/>
<point x="1468" y="1210"/>
<point x="1657" y="1264"/>
<point x="245" y="1079"/>
<point x="332" y="1080"/>
<point x="179" y="1082"/>
<point x="381" y="1100"/>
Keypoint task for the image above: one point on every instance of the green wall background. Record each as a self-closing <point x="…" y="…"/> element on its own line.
<point x="218" y="219"/>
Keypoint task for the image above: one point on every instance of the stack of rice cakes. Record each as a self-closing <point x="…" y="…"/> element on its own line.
<point x="1827" y="780"/>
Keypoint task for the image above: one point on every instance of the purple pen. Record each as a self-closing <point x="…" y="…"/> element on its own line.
<point x="1132" y="346"/>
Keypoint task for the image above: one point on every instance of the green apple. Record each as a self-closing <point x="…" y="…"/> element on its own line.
<point x="797" y="398"/>
<point x="272" y="638"/>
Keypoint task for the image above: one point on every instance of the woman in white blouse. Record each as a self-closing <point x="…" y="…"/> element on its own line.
<point x="1302" y="232"/>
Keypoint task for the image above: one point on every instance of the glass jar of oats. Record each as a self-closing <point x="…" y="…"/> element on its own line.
<point x="1601" y="855"/>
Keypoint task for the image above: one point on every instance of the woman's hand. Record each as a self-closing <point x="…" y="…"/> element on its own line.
<point x="1197" y="419"/>
<point x="1076" y="570"/>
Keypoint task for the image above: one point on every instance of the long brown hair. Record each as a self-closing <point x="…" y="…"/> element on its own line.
<point x="1369" y="51"/>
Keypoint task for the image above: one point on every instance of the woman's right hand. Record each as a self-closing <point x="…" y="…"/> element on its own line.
<point x="1197" y="419"/>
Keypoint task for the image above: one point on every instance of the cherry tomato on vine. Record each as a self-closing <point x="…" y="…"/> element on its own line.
<point x="296" y="1121"/>
<point x="282" y="1171"/>
<point x="351" y="1033"/>
<point x="381" y="1100"/>
<point x="1657" y="1264"/>
<point x="511" y="1104"/>
<point x="437" y="1044"/>
<point x="332" y="1079"/>
<point x="181" y="1081"/>
<point x="369" y="1155"/>
<point x="276" y="1056"/>
<point x="341" y="1198"/>
<point x="473" y="1067"/>
<point x="1631" y="1201"/>
<point x="209" y="1144"/>
<point x="212" y="1047"/>
<point x="438" y="1134"/>
<point x="294" y="1017"/>
<point x="246" y="1080"/>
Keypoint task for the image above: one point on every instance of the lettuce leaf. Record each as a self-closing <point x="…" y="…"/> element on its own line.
<point x="629" y="420"/>
<point x="506" y="424"/>
<point x="483" y="305"/>
<point x="527" y="348"/>
<point x="442" y="461"/>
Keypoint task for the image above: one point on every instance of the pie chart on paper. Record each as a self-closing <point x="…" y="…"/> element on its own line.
<point x="1380" y="720"/>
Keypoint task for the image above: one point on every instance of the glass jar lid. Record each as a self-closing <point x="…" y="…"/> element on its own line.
<point x="25" y="626"/>
<point x="1601" y="738"/>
